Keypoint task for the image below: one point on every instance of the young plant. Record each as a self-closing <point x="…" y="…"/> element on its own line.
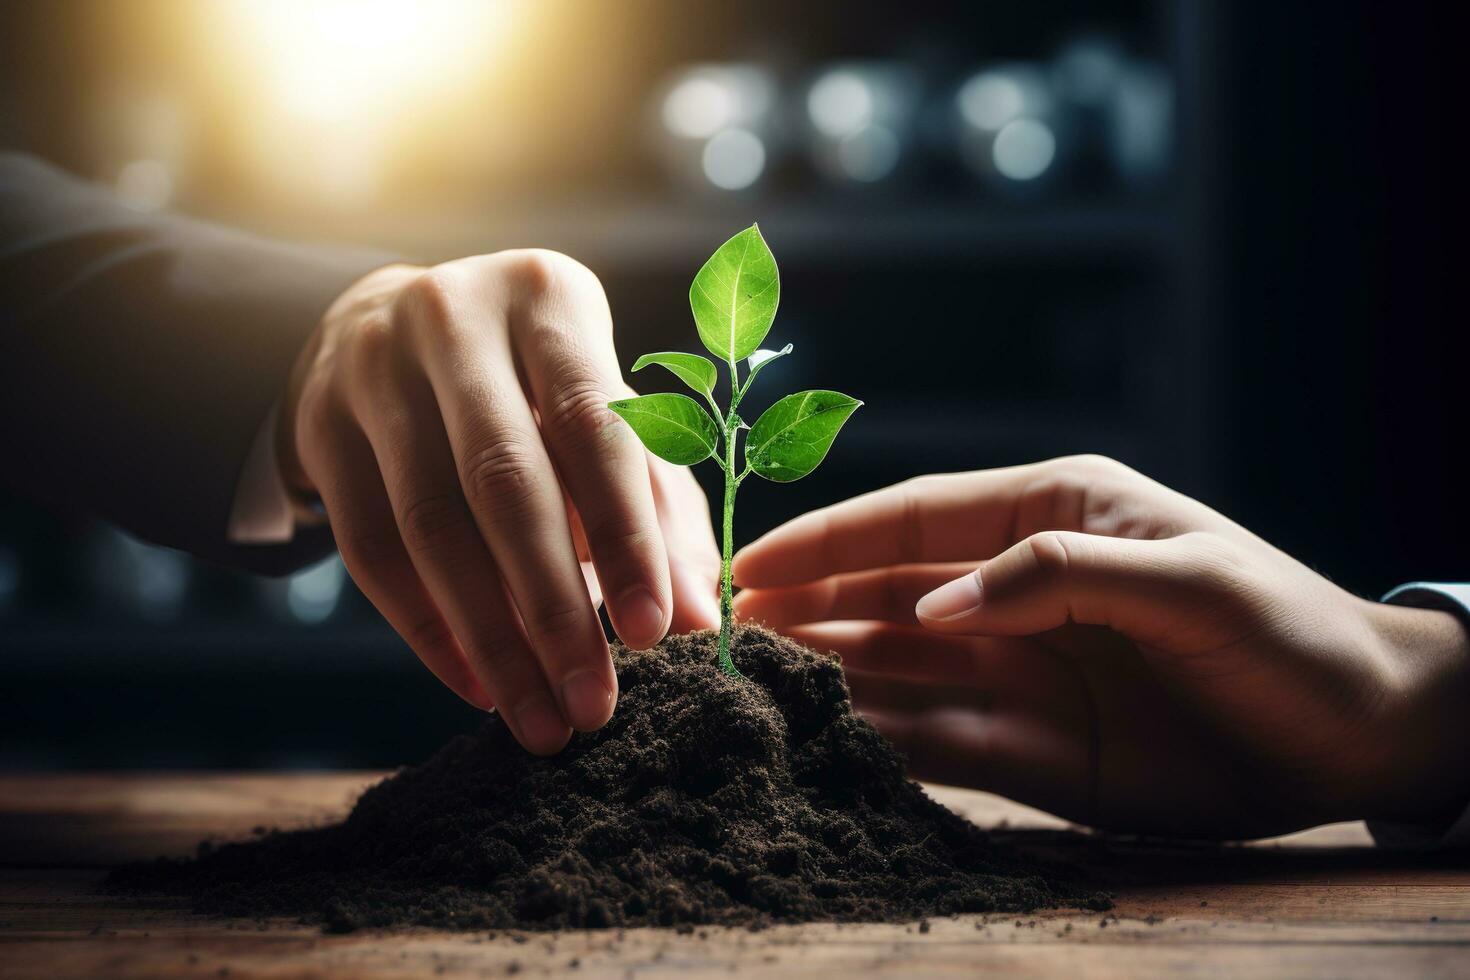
<point x="734" y="298"/>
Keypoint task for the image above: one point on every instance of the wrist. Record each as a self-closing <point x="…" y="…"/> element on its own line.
<point x="1423" y="773"/>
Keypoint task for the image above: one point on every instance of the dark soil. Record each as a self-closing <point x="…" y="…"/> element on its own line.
<point x="706" y="799"/>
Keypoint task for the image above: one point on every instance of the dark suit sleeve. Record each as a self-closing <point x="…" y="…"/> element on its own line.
<point x="141" y="353"/>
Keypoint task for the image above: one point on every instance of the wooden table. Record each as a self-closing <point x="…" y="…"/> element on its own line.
<point x="1319" y="904"/>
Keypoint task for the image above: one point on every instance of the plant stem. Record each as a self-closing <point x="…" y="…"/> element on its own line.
<point x="727" y="598"/>
<point x="727" y="592"/>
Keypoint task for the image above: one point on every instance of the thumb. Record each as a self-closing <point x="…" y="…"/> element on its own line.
<point x="1177" y="593"/>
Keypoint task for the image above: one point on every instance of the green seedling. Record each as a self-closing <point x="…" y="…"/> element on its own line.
<point x="734" y="298"/>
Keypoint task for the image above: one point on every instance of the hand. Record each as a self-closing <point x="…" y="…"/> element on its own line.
<point x="1122" y="655"/>
<point x="454" y="422"/>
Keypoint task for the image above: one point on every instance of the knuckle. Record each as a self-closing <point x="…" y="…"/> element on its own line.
<point x="561" y="289"/>
<point x="1051" y="552"/>
<point x="374" y="352"/>
<point x="1088" y="469"/>
<point x="428" y="635"/>
<point x="499" y="478"/>
<point x="911" y="523"/>
<point x="550" y="622"/>
<point x="620" y="534"/>
<point x="1095" y="463"/>
<point x="540" y="270"/>
<point x="430" y="521"/>
<point x="916" y="487"/>
<point x="314" y="419"/>
<point x="363" y="550"/>
<point x="497" y="646"/>
<point x="318" y="432"/>
<point x="579" y="412"/>
<point x="428" y="298"/>
<point x="1084" y="491"/>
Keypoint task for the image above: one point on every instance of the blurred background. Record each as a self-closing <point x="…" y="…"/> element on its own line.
<point x="1210" y="240"/>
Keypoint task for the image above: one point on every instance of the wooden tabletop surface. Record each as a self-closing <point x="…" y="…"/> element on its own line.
<point x="1318" y="904"/>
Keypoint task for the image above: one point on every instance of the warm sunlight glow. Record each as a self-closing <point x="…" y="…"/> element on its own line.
<point x="331" y="59"/>
<point x="328" y="96"/>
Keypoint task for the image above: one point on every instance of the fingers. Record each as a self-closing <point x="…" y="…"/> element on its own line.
<point x="1182" y="594"/>
<point x="368" y="538"/>
<point x="880" y="594"/>
<point x="930" y="519"/>
<point x="969" y="517"/>
<point x="689" y="539"/>
<point x="507" y="481"/>
<point x="694" y="558"/>
<point x="445" y="546"/>
<point x="563" y="334"/>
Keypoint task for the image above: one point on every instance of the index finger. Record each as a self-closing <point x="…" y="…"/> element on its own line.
<point x="971" y="517"/>
<point x="946" y="518"/>
<point x="510" y="488"/>
<point x="563" y="334"/>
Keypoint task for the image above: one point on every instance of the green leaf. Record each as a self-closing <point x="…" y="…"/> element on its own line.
<point x="673" y="427"/>
<point x="695" y="371"/>
<point x="734" y="296"/>
<point x="793" y="435"/>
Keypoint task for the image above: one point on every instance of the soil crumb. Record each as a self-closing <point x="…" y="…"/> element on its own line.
<point x="705" y="800"/>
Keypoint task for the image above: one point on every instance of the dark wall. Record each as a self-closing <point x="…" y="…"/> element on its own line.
<point x="1345" y="354"/>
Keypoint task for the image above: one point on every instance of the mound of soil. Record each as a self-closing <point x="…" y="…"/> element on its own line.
<point x="706" y="799"/>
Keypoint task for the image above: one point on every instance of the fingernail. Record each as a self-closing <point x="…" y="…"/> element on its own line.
<point x="951" y="600"/>
<point x="541" y="726"/>
<point x="588" y="700"/>
<point x="638" y="618"/>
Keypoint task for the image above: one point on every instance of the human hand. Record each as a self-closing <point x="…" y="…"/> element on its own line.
<point x="1122" y="655"/>
<point x="453" y="421"/>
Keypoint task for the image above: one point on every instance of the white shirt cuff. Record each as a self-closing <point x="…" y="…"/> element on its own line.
<point x="263" y="513"/>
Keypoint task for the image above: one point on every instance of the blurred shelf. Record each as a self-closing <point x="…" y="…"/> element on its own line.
<point x="670" y="231"/>
<point x="141" y="695"/>
<point x="50" y="649"/>
<point x="944" y="421"/>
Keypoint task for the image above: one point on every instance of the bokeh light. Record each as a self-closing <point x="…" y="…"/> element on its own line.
<point x="716" y="124"/>
<point x="991" y="98"/>
<point x="1141" y="115"/>
<point x="312" y="595"/>
<point x="869" y="154"/>
<point x="734" y="159"/>
<point x="698" y="107"/>
<point x="840" y="103"/>
<point x="1087" y="70"/>
<point x="1024" y="149"/>
<point x="860" y="115"/>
